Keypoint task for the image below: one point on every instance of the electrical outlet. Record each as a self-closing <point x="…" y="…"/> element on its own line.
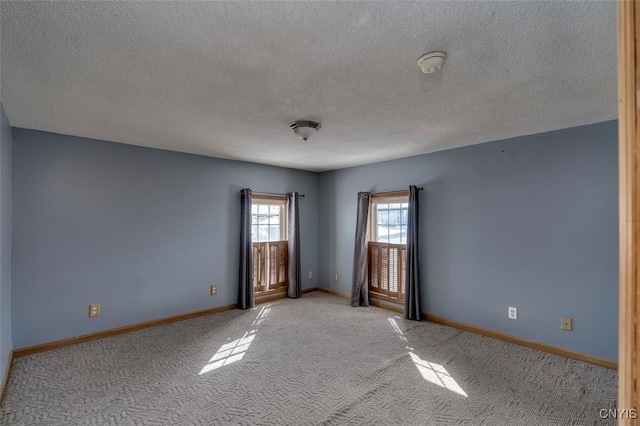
<point x="214" y="290"/>
<point x="513" y="313"/>
<point x="335" y="277"/>
<point x="310" y="274"/>
<point x="94" y="310"/>
<point x="566" y="323"/>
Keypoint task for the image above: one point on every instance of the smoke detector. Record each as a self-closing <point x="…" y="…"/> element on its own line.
<point x="304" y="128"/>
<point x="432" y="62"/>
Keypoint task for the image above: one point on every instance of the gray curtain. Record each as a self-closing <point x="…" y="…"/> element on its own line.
<point x="246" y="297"/>
<point x="360" y="285"/>
<point x="293" y="237"/>
<point x="412" y="308"/>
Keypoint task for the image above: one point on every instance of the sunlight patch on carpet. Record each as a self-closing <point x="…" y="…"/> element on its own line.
<point x="234" y="351"/>
<point x="229" y="353"/>
<point x="436" y="374"/>
<point x="430" y="371"/>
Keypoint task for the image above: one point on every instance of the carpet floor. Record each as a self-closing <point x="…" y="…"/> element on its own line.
<point x="310" y="361"/>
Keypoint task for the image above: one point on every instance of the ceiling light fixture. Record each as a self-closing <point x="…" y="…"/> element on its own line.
<point x="304" y="128"/>
<point x="432" y="62"/>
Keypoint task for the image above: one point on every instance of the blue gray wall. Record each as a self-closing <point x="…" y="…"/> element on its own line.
<point x="143" y="232"/>
<point x="5" y="241"/>
<point x="530" y="222"/>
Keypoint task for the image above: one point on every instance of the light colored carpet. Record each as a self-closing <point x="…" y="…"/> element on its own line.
<point x="310" y="361"/>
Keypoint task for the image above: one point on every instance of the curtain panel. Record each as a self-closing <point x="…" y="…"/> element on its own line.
<point x="360" y="285"/>
<point x="412" y="307"/>
<point x="293" y="236"/>
<point x="246" y="297"/>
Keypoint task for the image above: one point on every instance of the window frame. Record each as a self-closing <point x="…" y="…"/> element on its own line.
<point x="262" y="288"/>
<point x="376" y="199"/>
<point x="395" y="197"/>
<point x="272" y="200"/>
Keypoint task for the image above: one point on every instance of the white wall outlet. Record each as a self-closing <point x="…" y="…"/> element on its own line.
<point x="310" y="274"/>
<point x="513" y="313"/>
<point x="566" y="323"/>
<point x="336" y="277"/>
<point x="94" y="310"/>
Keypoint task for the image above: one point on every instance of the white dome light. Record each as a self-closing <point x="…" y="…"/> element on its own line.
<point x="304" y="128"/>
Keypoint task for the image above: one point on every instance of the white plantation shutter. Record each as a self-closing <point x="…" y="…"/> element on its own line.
<point x="270" y="265"/>
<point x="386" y="269"/>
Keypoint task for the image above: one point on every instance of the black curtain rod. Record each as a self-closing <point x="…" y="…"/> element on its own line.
<point x="273" y="193"/>
<point x="397" y="190"/>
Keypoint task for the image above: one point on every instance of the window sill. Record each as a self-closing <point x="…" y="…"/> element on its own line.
<point x="275" y="290"/>
<point x="379" y="296"/>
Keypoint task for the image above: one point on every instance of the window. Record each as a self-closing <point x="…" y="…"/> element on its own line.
<point x="267" y="222"/>
<point x="388" y="245"/>
<point x="390" y="222"/>
<point x="269" y="245"/>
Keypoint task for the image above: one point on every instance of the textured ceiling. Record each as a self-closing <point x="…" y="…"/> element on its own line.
<point x="225" y="78"/>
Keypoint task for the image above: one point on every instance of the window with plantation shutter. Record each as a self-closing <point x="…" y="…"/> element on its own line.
<point x="386" y="269"/>
<point x="387" y="245"/>
<point x="269" y="266"/>
<point x="269" y="245"/>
